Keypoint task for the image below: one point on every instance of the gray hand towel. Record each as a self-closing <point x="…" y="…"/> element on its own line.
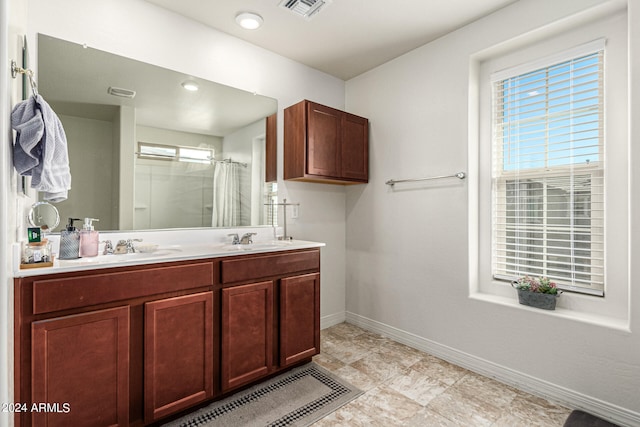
<point x="40" y="149"/>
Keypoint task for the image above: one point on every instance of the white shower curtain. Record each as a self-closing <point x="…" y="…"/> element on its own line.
<point x="226" y="195"/>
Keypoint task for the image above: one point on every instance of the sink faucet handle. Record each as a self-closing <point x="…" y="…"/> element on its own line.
<point x="247" y="238"/>
<point x="130" y="248"/>
<point x="236" y="239"/>
<point x="108" y="248"/>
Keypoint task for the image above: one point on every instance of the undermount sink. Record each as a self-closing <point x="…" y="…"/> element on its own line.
<point x="256" y="246"/>
<point x="108" y="259"/>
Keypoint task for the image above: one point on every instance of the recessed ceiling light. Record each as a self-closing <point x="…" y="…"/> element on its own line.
<point x="190" y="85"/>
<point x="249" y="20"/>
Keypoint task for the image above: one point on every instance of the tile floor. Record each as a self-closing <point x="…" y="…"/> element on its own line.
<point x="406" y="387"/>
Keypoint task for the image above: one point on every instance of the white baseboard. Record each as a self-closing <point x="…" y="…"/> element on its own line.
<point x="332" y="319"/>
<point x="552" y="392"/>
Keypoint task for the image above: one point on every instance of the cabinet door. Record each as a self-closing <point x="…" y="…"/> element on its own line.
<point x="178" y="353"/>
<point x="323" y="140"/>
<point x="299" y="318"/>
<point x="247" y="331"/>
<point x="355" y="147"/>
<point x="81" y="369"/>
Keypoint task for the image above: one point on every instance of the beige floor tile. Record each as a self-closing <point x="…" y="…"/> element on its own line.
<point x="371" y="341"/>
<point x="486" y="390"/>
<point x="347" y="416"/>
<point x="439" y="369"/>
<point x="356" y="378"/>
<point x="403" y="354"/>
<point x="346" y="330"/>
<point x="417" y="386"/>
<point x="457" y="407"/>
<point x="342" y="348"/>
<point x="387" y="406"/>
<point x="328" y="362"/>
<point x="545" y="413"/>
<point x="425" y="418"/>
<point x="378" y="366"/>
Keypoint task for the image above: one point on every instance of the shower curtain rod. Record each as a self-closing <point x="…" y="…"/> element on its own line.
<point x="244" y="165"/>
<point x="169" y="157"/>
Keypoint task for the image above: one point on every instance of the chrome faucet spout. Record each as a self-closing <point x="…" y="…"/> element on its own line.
<point x="126" y="246"/>
<point x="247" y="238"/>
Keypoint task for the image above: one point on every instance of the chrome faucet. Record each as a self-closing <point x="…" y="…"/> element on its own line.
<point x="126" y="246"/>
<point x="244" y="240"/>
<point x="247" y="238"/>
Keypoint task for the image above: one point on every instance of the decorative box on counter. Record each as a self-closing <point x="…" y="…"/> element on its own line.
<point x="36" y="254"/>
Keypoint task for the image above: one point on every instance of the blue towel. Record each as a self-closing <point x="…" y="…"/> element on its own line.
<point x="40" y="149"/>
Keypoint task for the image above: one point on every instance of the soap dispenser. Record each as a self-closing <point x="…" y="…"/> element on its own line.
<point x="89" y="239"/>
<point x="70" y="241"/>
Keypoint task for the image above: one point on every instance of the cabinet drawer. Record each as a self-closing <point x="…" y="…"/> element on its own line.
<point x="242" y="269"/>
<point x="82" y="291"/>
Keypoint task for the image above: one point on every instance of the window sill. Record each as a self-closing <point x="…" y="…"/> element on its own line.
<point x="560" y="312"/>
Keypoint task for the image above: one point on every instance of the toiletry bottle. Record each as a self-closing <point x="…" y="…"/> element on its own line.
<point x="89" y="239"/>
<point x="70" y="241"/>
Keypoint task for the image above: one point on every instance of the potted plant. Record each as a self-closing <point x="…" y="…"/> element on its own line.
<point x="540" y="293"/>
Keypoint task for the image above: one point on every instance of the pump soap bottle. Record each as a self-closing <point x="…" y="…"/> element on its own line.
<point x="70" y="241"/>
<point x="89" y="239"/>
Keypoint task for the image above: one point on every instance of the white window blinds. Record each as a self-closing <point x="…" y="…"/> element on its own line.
<point x="548" y="161"/>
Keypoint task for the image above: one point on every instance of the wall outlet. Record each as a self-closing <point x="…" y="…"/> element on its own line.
<point x="295" y="210"/>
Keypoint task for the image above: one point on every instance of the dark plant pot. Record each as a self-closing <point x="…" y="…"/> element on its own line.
<point x="538" y="300"/>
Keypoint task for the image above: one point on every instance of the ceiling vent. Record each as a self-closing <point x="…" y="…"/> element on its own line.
<point x="118" y="91"/>
<point x="305" y="8"/>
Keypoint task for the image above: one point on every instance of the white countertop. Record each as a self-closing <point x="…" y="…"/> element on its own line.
<point x="173" y="251"/>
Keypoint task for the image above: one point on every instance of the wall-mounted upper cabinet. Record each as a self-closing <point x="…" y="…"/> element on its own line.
<point x="322" y="144"/>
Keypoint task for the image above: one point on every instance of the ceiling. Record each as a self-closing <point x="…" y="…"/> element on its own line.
<point x="346" y="37"/>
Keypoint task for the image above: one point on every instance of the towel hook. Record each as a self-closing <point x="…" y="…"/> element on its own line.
<point x="15" y="70"/>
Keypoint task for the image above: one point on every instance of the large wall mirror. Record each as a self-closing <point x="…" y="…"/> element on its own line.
<point x="148" y="153"/>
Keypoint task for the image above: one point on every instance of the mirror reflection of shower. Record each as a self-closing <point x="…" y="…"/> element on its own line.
<point x="203" y="181"/>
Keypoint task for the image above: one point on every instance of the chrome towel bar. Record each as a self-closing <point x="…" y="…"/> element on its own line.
<point x="459" y="175"/>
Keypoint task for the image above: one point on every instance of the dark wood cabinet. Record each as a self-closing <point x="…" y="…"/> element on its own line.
<point x="130" y="346"/>
<point x="85" y="337"/>
<point x="299" y="318"/>
<point x="178" y="354"/>
<point x="271" y="149"/>
<point x="323" y="144"/>
<point x="270" y="314"/>
<point x="80" y="369"/>
<point x="247" y="331"/>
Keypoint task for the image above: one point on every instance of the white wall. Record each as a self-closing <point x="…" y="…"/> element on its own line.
<point x="412" y="252"/>
<point x="90" y="146"/>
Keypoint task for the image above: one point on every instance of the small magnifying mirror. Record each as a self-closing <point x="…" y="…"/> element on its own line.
<point x="45" y="216"/>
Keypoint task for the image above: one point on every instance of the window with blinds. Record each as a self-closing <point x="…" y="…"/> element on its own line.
<point x="548" y="171"/>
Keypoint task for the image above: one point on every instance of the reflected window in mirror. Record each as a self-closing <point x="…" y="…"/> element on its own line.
<point x="148" y="150"/>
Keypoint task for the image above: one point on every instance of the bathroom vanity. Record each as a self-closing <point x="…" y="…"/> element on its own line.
<point x="131" y="343"/>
